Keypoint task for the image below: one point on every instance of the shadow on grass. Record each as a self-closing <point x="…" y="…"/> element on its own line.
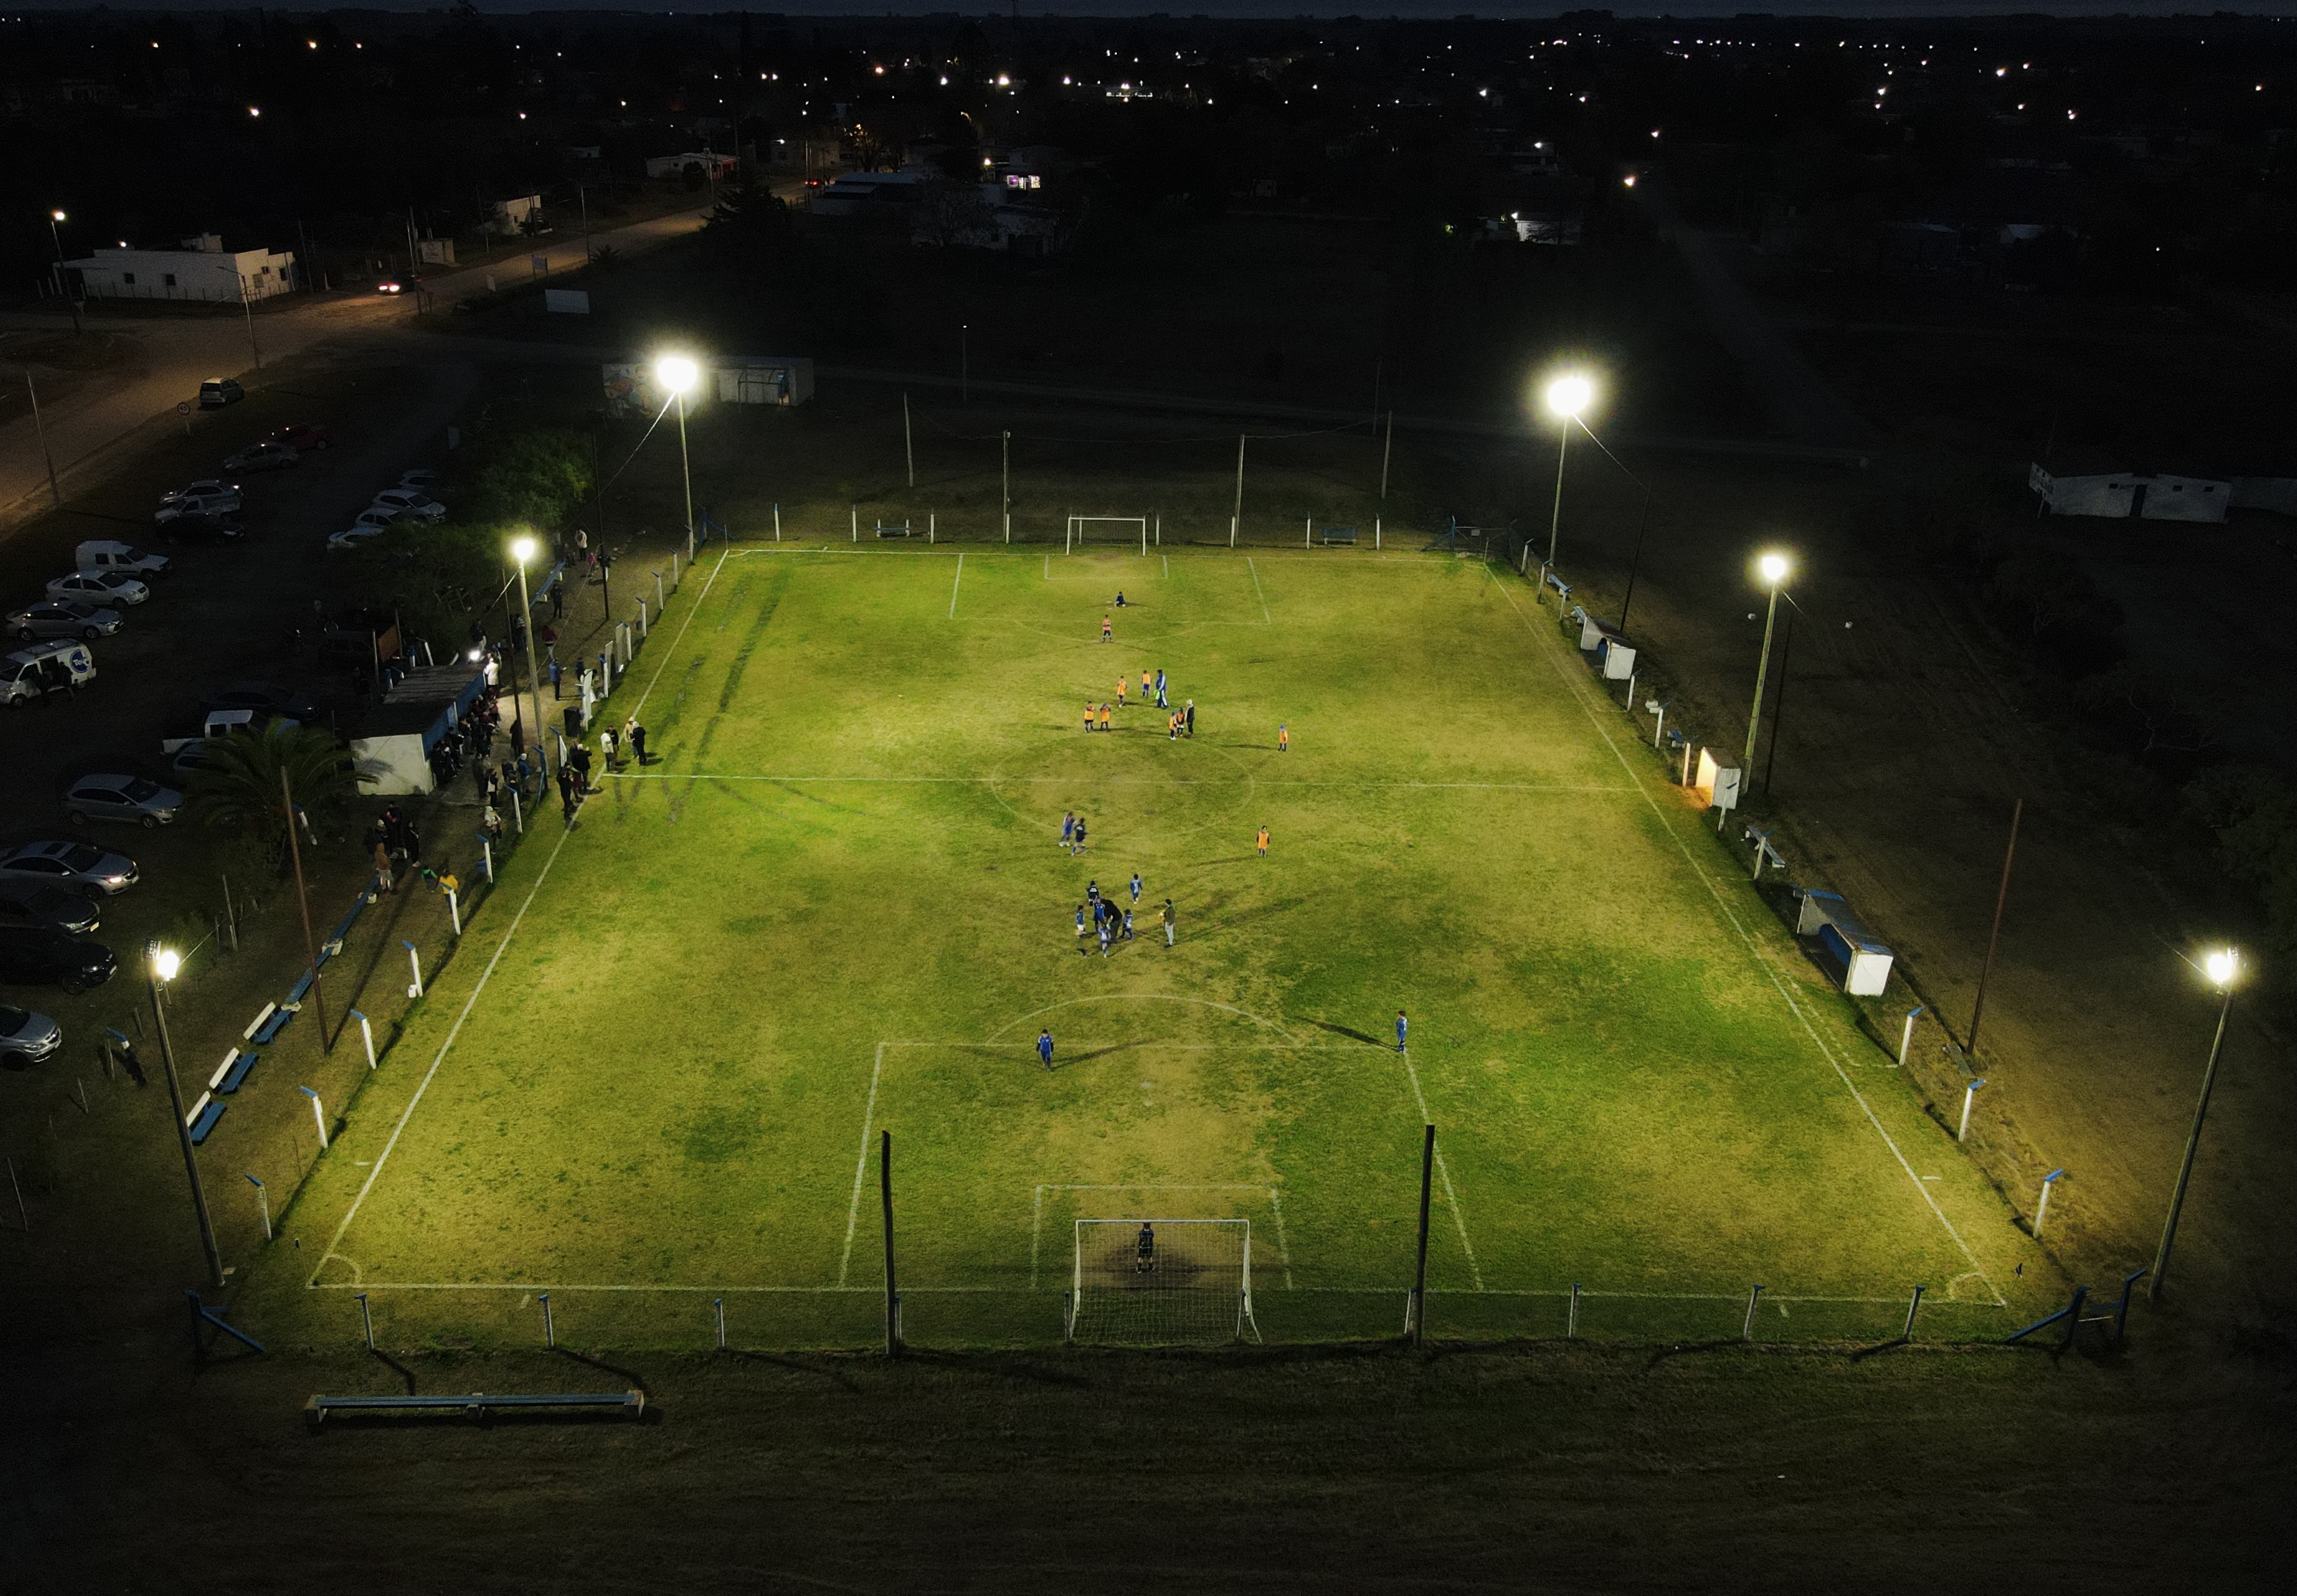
<point x="1344" y="1031"/>
<point x="796" y="1365"/>
<point x="637" y="1382"/>
<point x="405" y="1374"/>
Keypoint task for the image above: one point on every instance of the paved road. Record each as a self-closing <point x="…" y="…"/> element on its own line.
<point x="109" y="413"/>
<point x="1801" y="401"/>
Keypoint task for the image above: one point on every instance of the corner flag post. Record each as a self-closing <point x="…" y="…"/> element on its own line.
<point x="1419" y="1274"/>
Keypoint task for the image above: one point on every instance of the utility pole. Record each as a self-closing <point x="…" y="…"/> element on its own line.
<point x="909" y="443"/>
<point x="1236" y="516"/>
<point x="1004" y="468"/>
<point x="160" y="965"/>
<point x="303" y="902"/>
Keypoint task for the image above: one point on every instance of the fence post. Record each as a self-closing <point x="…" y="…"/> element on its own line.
<point x="366" y="1322"/>
<point x="2122" y="1312"/>
<point x="1969" y="1092"/>
<point x="487" y="856"/>
<point x="1912" y="1308"/>
<point x="414" y="963"/>
<point x="1907" y="1037"/>
<point x="318" y="1114"/>
<point x="550" y="1331"/>
<point x="1754" y="1297"/>
<point x="517" y="816"/>
<point x="718" y="1303"/>
<point x="263" y="1202"/>
<point x="1571" y="1316"/>
<point x="366" y="1034"/>
<point x="2073" y="1318"/>
<point x="454" y="911"/>
<point x="2042" y="1208"/>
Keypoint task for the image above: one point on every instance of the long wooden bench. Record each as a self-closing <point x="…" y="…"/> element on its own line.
<point x="624" y="1404"/>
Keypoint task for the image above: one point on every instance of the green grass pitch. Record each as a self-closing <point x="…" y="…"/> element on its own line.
<point x="836" y="906"/>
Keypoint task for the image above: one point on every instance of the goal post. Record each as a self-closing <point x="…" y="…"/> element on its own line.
<point x="1162" y="1281"/>
<point x="1106" y="529"/>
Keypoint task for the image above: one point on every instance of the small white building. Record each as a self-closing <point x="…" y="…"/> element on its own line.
<point x="711" y="163"/>
<point x="202" y="270"/>
<point x="2119" y="494"/>
<point x="777" y="380"/>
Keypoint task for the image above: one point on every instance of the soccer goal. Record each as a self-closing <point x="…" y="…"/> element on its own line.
<point x="1106" y="529"/>
<point x="1162" y="1281"/>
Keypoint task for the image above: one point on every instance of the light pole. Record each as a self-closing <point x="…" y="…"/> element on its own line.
<point x="1774" y="568"/>
<point x="2223" y="966"/>
<point x="159" y="966"/>
<point x="678" y="374"/>
<point x="56" y="218"/>
<point x="521" y="549"/>
<point x="1567" y="397"/>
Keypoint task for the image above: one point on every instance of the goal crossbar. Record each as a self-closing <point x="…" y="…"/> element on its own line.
<point x="1161" y="1282"/>
<point x="1079" y="529"/>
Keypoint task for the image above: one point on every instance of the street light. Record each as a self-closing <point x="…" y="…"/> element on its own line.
<point x="1567" y="397"/>
<point x="55" y="220"/>
<point x="521" y="549"/>
<point x="160" y="965"/>
<point x="679" y="374"/>
<point x="1773" y="568"/>
<point x="2223" y="966"/>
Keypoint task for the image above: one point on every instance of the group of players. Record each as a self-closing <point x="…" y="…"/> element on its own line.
<point x="1111" y="922"/>
<point x="1178" y="723"/>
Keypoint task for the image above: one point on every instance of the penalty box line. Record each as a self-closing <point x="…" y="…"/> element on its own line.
<point x="1754" y="949"/>
<point x="1018" y="781"/>
<point x="454" y="1031"/>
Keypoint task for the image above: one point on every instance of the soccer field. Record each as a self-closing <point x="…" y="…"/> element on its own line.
<point x="836" y="906"/>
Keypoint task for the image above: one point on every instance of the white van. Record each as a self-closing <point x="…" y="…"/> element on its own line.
<point x="104" y="554"/>
<point x="50" y="668"/>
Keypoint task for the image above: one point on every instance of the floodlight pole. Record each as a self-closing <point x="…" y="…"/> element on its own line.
<point x="1762" y="675"/>
<point x="908" y="444"/>
<point x="1386" y="449"/>
<point x="1005" y="479"/>
<point x="1420" y="1271"/>
<point x="1779" y="708"/>
<point x="1555" y="517"/>
<point x="183" y="1128"/>
<point x="56" y="493"/>
<point x="885" y="1196"/>
<point x="2193" y="1145"/>
<point x="303" y="902"/>
<point x="1236" y="518"/>
<point x="533" y="676"/>
<point x="2001" y="897"/>
<point x="685" y="467"/>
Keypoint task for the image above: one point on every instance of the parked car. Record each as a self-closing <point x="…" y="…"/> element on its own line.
<point x="45" y="668"/>
<point x="205" y="488"/>
<point x="102" y="588"/>
<point x="204" y="529"/>
<point x="217" y="392"/>
<point x="410" y="501"/>
<point x="267" y="697"/>
<point x="68" y="863"/>
<point x="136" y="798"/>
<point x="62" y="618"/>
<point x="198" y="504"/>
<point x="193" y="756"/>
<point x="266" y="456"/>
<point x="104" y="554"/>
<point x="49" y="907"/>
<point x="371" y="523"/>
<point x="27" y="1037"/>
<point x="388" y="285"/>
<point x="29" y="957"/>
<point x="421" y="478"/>
<point x="301" y="436"/>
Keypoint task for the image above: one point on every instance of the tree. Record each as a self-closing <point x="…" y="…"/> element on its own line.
<point x="239" y="792"/>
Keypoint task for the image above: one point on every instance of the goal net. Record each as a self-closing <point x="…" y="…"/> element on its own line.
<point x="1163" y="1281"/>
<point x="1107" y="529"/>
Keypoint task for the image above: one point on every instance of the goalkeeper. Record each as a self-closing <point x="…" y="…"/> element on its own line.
<point x="1144" y="1248"/>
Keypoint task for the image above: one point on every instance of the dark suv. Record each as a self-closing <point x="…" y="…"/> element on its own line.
<point x="29" y="957"/>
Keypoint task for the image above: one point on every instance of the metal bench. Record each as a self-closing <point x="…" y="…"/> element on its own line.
<point x="204" y="1121"/>
<point x="901" y="530"/>
<point x="624" y="1404"/>
<point x="233" y="1070"/>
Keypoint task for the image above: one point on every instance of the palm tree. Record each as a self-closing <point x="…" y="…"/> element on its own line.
<point x="239" y="790"/>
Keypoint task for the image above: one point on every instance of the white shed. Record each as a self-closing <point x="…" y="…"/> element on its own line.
<point x="202" y="270"/>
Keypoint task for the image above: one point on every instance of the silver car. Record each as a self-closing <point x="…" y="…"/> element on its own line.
<point x="62" y="618"/>
<point x="102" y="588"/>
<point x="27" y="1037"/>
<point x="122" y="798"/>
<point x="410" y="501"/>
<point x="205" y="488"/>
<point x="70" y="864"/>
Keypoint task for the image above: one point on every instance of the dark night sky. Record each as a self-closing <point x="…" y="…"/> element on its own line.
<point x="1865" y="9"/>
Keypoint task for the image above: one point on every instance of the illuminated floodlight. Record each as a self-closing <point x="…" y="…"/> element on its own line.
<point x="165" y="962"/>
<point x="677" y="372"/>
<point x="1773" y="567"/>
<point x="1569" y="396"/>
<point x="521" y="549"/>
<point x="2223" y="965"/>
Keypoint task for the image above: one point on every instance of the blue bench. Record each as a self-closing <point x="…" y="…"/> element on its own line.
<point x="622" y="1404"/>
<point x="238" y="1073"/>
<point x="203" y="1123"/>
<point x="281" y="1014"/>
<point x="901" y="530"/>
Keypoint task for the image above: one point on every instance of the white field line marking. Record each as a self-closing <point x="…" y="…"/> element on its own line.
<point x="860" y="1167"/>
<point x="953" y="587"/>
<point x="384" y="1157"/>
<point x="699" y="599"/>
<point x="1578" y="694"/>
<point x="1123" y="781"/>
<point x="375" y="1173"/>
<point x="1265" y="615"/>
<point x="1450" y="1196"/>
